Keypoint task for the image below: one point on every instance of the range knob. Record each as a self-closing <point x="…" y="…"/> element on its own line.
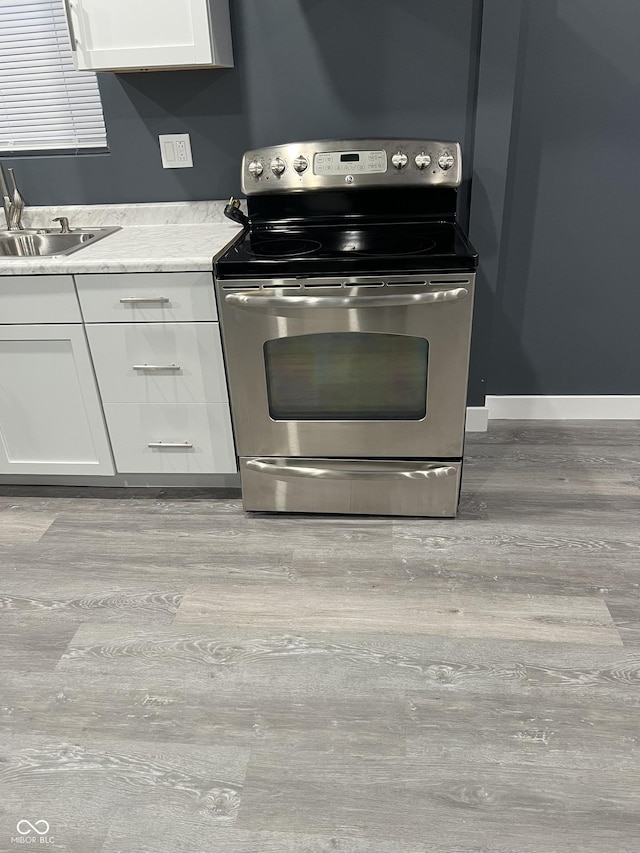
<point x="278" y="166"/>
<point x="423" y="161"/>
<point x="446" y="162"/>
<point x="300" y="164"/>
<point x="255" y="169"/>
<point x="399" y="160"/>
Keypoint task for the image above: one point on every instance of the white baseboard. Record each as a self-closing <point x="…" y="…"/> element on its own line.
<point x="477" y="419"/>
<point x="564" y="408"/>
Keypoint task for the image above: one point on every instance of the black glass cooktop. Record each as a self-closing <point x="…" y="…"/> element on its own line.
<point x="285" y="251"/>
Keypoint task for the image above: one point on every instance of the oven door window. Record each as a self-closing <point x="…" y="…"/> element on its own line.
<point x="347" y="376"/>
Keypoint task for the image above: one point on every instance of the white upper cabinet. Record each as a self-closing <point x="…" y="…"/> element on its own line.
<point x="119" y="35"/>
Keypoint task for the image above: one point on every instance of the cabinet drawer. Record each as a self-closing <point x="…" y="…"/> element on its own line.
<point x="201" y="435"/>
<point x="38" y="299"/>
<point x="147" y="297"/>
<point x="158" y="362"/>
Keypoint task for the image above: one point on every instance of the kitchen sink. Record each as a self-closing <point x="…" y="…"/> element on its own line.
<point x="45" y="242"/>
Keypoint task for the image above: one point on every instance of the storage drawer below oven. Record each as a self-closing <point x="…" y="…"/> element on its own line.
<point x="351" y="486"/>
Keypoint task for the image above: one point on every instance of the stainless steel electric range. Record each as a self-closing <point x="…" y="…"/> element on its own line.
<point x="346" y="312"/>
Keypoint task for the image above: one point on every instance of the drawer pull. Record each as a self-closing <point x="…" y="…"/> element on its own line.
<point x="170" y="444"/>
<point x="135" y="300"/>
<point x="156" y="367"/>
<point x="387" y="470"/>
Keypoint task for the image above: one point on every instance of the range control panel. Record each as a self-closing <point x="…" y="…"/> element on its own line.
<point x="340" y="163"/>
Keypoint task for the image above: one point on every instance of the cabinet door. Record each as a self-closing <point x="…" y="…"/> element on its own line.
<point x="119" y="34"/>
<point x="51" y="420"/>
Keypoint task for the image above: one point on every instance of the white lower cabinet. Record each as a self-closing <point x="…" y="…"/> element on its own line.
<point x="147" y="297"/>
<point x="151" y="343"/>
<point x="171" y="438"/>
<point x="38" y="299"/>
<point x="50" y="416"/>
<point x="158" y="362"/>
<point x="164" y="392"/>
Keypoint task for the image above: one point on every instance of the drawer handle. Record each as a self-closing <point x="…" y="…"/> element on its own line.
<point x="170" y="444"/>
<point x="269" y="302"/>
<point x="135" y="300"/>
<point x="156" y="367"/>
<point x="389" y="471"/>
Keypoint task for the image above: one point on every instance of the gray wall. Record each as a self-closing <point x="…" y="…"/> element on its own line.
<point x="495" y="101"/>
<point x="304" y="69"/>
<point x="567" y="300"/>
<point x="553" y="213"/>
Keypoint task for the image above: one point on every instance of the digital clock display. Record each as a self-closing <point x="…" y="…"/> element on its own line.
<point x="344" y="163"/>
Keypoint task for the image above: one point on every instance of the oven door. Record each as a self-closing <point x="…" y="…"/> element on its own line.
<point x="368" y="369"/>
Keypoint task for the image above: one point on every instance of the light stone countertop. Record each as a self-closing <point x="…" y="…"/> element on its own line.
<point x="169" y="237"/>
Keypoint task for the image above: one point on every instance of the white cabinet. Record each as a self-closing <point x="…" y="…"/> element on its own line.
<point x="38" y="299"/>
<point x="112" y="35"/>
<point x="169" y="438"/>
<point x="50" y="415"/>
<point x="158" y="362"/>
<point x="163" y="384"/>
<point x="147" y="297"/>
<point x="160" y="405"/>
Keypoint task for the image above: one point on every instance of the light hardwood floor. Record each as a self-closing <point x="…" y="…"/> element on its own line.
<point x="179" y="677"/>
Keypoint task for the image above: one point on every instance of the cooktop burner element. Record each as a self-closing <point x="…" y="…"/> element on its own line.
<point x="312" y="249"/>
<point x="279" y="247"/>
<point x="382" y="247"/>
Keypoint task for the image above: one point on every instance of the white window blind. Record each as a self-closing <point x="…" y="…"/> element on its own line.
<point x="45" y="104"/>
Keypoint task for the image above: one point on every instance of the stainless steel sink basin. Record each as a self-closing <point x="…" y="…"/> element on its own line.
<point x="45" y="242"/>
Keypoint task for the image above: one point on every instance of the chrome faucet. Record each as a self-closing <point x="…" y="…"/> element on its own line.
<point x="13" y="202"/>
<point x="64" y="224"/>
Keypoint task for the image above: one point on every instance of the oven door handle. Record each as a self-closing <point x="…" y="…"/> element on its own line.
<point x="385" y="471"/>
<point x="271" y="301"/>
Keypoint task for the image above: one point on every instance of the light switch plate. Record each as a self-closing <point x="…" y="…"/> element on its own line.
<point x="175" y="149"/>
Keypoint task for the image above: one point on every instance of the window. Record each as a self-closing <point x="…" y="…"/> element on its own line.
<point x="45" y="104"/>
<point x="347" y="376"/>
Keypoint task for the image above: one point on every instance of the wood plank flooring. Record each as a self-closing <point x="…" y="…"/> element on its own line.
<point x="176" y="675"/>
